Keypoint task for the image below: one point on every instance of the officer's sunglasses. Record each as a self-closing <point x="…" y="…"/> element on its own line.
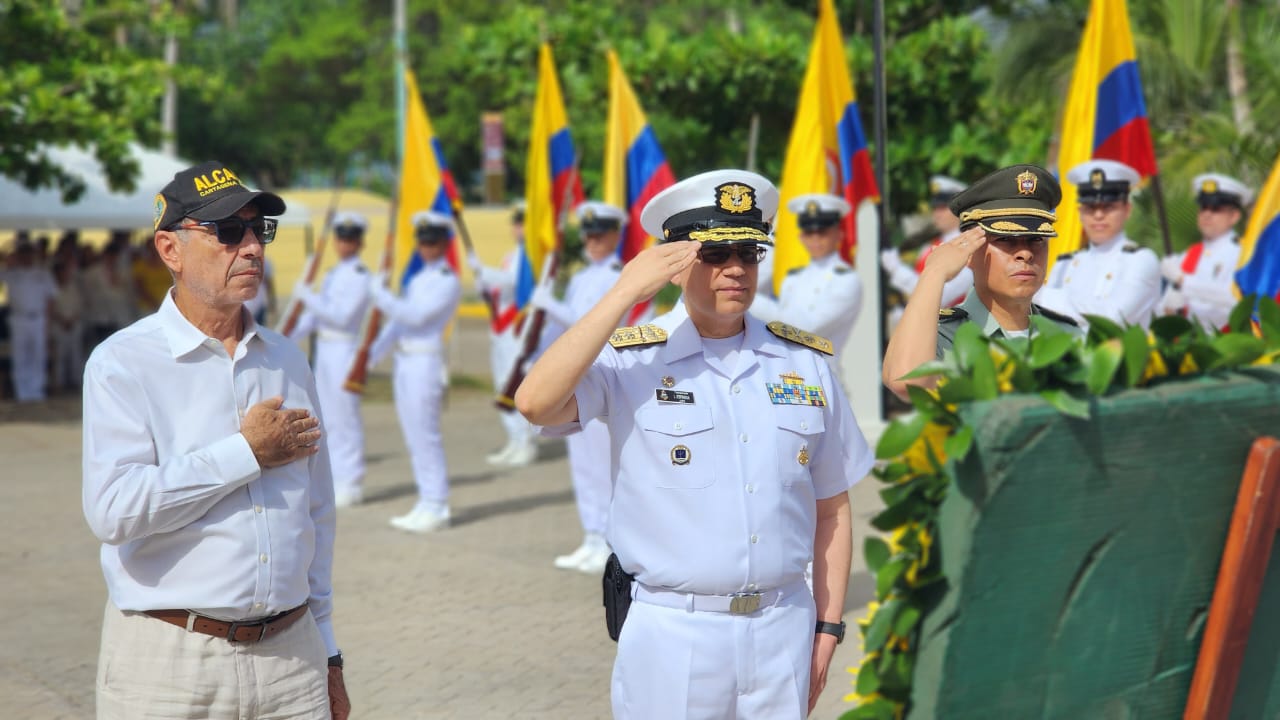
<point x="720" y="254"/>
<point x="230" y="231"/>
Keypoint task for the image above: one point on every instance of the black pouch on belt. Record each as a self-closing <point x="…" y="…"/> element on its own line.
<point x="617" y="596"/>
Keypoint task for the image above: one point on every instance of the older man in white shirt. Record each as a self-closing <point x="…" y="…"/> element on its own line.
<point x="335" y="315"/>
<point x="1201" y="280"/>
<point x="205" y="479"/>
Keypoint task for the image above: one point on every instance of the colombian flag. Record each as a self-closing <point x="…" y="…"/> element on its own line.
<point x="1259" y="272"/>
<point x="552" y="184"/>
<point x="425" y="184"/>
<point x="827" y="151"/>
<point x="635" y="168"/>
<point x="1105" y="117"/>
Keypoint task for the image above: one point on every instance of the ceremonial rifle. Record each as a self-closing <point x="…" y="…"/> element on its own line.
<point x="293" y="312"/>
<point x="359" y="372"/>
<point x="470" y="249"/>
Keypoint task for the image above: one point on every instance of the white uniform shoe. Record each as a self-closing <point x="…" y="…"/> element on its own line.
<point x="499" y="457"/>
<point x="575" y="558"/>
<point x="347" y="498"/>
<point x="422" y="521"/>
<point x="596" y="558"/>
<point x="520" y="455"/>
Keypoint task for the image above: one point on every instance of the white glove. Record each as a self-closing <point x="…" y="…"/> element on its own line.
<point x="543" y="297"/>
<point x="1172" y="302"/>
<point x="473" y="262"/>
<point x="890" y="260"/>
<point x="1171" y="269"/>
<point x="302" y="290"/>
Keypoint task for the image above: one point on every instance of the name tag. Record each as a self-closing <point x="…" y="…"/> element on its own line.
<point x="674" y="397"/>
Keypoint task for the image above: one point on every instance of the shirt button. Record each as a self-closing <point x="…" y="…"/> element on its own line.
<point x="263" y="557"/>
<point x="804" y="425"/>
<point x="754" y="539"/>
<point x="743" y="437"/>
<point x="258" y="605"/>
<point x="737" y="389"/>
<point x="751" y="587"/>
<point x="257" y="508"/>
<point x="678" y="426"/>
<point x="751" y="488"/>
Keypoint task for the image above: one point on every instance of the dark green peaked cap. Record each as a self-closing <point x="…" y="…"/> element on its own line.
<point x="1017" y="200"/>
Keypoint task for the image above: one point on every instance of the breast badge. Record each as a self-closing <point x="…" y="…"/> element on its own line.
<point x="793" y="391"/>
<point x="680" y="455"/>
<point x="668" y="381"/>
<point x="803" y="456"/>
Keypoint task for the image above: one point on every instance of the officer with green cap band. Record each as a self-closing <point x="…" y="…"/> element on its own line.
<point x="1006" y="219"/>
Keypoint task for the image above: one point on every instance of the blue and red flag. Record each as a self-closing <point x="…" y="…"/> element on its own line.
<point x="635" y="168"/>
<point x="1105" y="116"/>
<point x="1259" y="272"/>
<point x="827" y="152"/>
<point x="425" y="184"/>
<point x="552" y="183"/>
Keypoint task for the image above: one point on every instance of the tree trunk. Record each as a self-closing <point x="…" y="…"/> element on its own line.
<point x="1237" y="85"/>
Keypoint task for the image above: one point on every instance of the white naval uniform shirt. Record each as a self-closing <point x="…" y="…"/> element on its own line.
<point x="740" y="514"/>
<point x="904" y="277"/>
<point x="1208" y="290"/>
<point x="338" y="310"/>
<point x="1116" y="279"/>
<point x="30" y="290"/>
<point x="186" y="516"/>
<point x="500" y="283"/>
<point x="418" y="318"/>
<point x="824" y="298"/>
<point x="585" y="289"/>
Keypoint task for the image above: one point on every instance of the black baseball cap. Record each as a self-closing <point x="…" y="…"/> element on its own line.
<point x="209" y="191"/>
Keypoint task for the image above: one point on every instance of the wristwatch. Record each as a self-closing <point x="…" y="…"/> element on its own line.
<point x="336" y="660"/>
<point x="836" y="629"/>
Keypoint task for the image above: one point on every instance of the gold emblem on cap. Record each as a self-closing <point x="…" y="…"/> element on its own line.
<point x="161" y="206"/>
<point x="1027" y="181"/>
<point x="811" y="208"/>
<point x="803" y="456"/>
<point x="668" y="381"/>
<point x="1096" y="178"/>
<point x="680" y="455"/>
<point x="935" y="187"/>
<point x="1209" y="186"/>
<point x="735" y="198"/>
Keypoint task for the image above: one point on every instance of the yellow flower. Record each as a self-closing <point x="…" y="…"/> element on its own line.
<point x="1188" y="365"/>
<point x="917" y="456"/>
<point x="1155" y="367"/>
<point x="872" y="607"/>
<point x="925" y="541"/>
<point x="1268" y="358"/>
<point x="1004" y="369"/>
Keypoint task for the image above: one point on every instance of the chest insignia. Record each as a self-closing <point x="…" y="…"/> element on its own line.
<point x="674" y="397"/>
<point x="793" y="391"/>
<point x="668" y="381"/>
<point x="803" y="456"/>
<point x="680" y="455"/>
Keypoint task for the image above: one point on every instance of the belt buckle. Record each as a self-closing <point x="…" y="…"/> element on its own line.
<point x="231" y="631"/>
<point x="744" y="603"/>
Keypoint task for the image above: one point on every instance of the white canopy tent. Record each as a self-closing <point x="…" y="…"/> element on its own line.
<point x="100" y="208"/>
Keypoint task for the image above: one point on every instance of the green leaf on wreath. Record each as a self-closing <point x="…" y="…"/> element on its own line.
<point x="956" y="390"/>
<point x="881" y="624"/>
<point x="1136" y="354"/>
<point x="876" y="553"/>
<point x="877" y="709"/>
<point x="1066" y="403"/>
<point x="886" y="578"/>
<point x="957" y="445"/>
<point x="895" y="494"/>
<point x="900" y="435"/>
<point x="1102" y="328"/>
<point x="1169" y="327"/>
<point x="1236" y="349"/>
<point x="868" y="680"/>
<point x="1241" y="316"/>
<point x="1101" y="363"/>
<point x="985" y="386"/>
<point x="895" y="515"/>
<point x="906" y="621"/>
<point x="1048" y="349"/>
<point x="1269" y="319"/>
<point x="969" y="346"/>
<point x="929" y="369"/>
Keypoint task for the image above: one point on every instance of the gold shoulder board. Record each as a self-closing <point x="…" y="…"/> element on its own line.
<point x="800" y="337"/>
<point x="637" y="335"/>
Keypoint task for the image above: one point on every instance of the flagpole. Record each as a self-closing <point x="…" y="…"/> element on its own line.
<point x="402" y="64"/>
<point x="1157" y="194"/>
<point x="882" y="180"/>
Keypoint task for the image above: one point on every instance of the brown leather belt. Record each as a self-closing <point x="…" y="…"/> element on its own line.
<point x="236" y="632"/>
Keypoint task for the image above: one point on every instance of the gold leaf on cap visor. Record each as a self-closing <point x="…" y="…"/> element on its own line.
<point x="983" y="214"/>
<point x="729" y="234"/>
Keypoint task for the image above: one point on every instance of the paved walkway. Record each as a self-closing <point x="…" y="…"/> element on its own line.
<point x="472" y="622"/>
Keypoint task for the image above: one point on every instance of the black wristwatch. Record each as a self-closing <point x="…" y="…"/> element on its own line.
<point x="836" y="629"/>
<point x="336" y="660"/>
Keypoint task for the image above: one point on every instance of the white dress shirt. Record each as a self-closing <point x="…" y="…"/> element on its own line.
<point x="737" y="512"/>
<point x="586" y="288"/>
<point x="1208" y="289"/>
<point x="338" y="310"/>
<point x="418" y="317"/>
<point x="186" y="516"/>
<point x="1115" y="279"/>
<point x="500" y="283"/>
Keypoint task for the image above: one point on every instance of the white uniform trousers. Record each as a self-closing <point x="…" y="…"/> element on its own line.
<point x="418" y="393"/>
<point x="504" y="348"/>
<point x="29" y="355"/>
<point x="68" y="355"/>
<point x="340" y="412"/>
<point x="680" y="664"/>
<point x="151" y="670"/>
<point x="589" y="466"/>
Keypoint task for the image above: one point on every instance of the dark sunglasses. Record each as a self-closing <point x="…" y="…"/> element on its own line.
<point x="230" y="231"/>
<point x="1217" y="207"/>
<point x="719" y="254"/>
<point x="432" y="238"/>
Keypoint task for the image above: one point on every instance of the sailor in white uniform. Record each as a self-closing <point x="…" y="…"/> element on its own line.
<point x="732" y="447"/>
<point x="1112" y="277"/>
<point x="335" y="315"/>
<point x="904" y="277"/>
<point x="416" y="321"/>
<point x="1201" y="279"/>
<point x="31" y="293"/>
<point x="601" y="228"/>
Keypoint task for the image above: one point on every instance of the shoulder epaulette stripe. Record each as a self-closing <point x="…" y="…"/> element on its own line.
<point x="800" y="337"/>
<point x="637" y="336"/>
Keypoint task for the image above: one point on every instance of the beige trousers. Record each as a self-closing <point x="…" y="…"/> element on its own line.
<point x="148" y="669"/>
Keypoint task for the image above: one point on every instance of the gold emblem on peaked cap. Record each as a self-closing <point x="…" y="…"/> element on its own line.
<point x="1209" y="186"/>
<point x="1096" y="178"/>
<point x="1027" y="181"/>
<point x="161" y="206"/>
<point x="735" y="198"/>
<point x="935" y="187"/>
<point x="811" y="208"/>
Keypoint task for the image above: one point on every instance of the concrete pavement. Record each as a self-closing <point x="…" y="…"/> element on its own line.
<point x="472" y="622"/>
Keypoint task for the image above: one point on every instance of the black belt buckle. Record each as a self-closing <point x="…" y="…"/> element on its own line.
<point x="231" y="632"/>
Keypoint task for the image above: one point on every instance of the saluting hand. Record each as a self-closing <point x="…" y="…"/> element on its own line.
<point x="951" y="257"/>
<point x="653" y="268"/>
<point x="278" y="437"/>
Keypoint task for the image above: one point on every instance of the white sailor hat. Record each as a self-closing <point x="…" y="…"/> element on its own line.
<point x="943" y="188"/>
<point x="348" y="225"/>
<point x="517" y="211"/>
<point x="733" y="206"/>
<point x="599" y="217"/>
<point x="1101" y="181"/>
<point x="818" y="211"/>
<point x="1213" y="189"/>
<point x="429" y="225"/>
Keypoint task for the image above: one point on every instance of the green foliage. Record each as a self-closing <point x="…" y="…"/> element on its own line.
<point x="918" y="453"/>
<point x="63" y="80"/>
